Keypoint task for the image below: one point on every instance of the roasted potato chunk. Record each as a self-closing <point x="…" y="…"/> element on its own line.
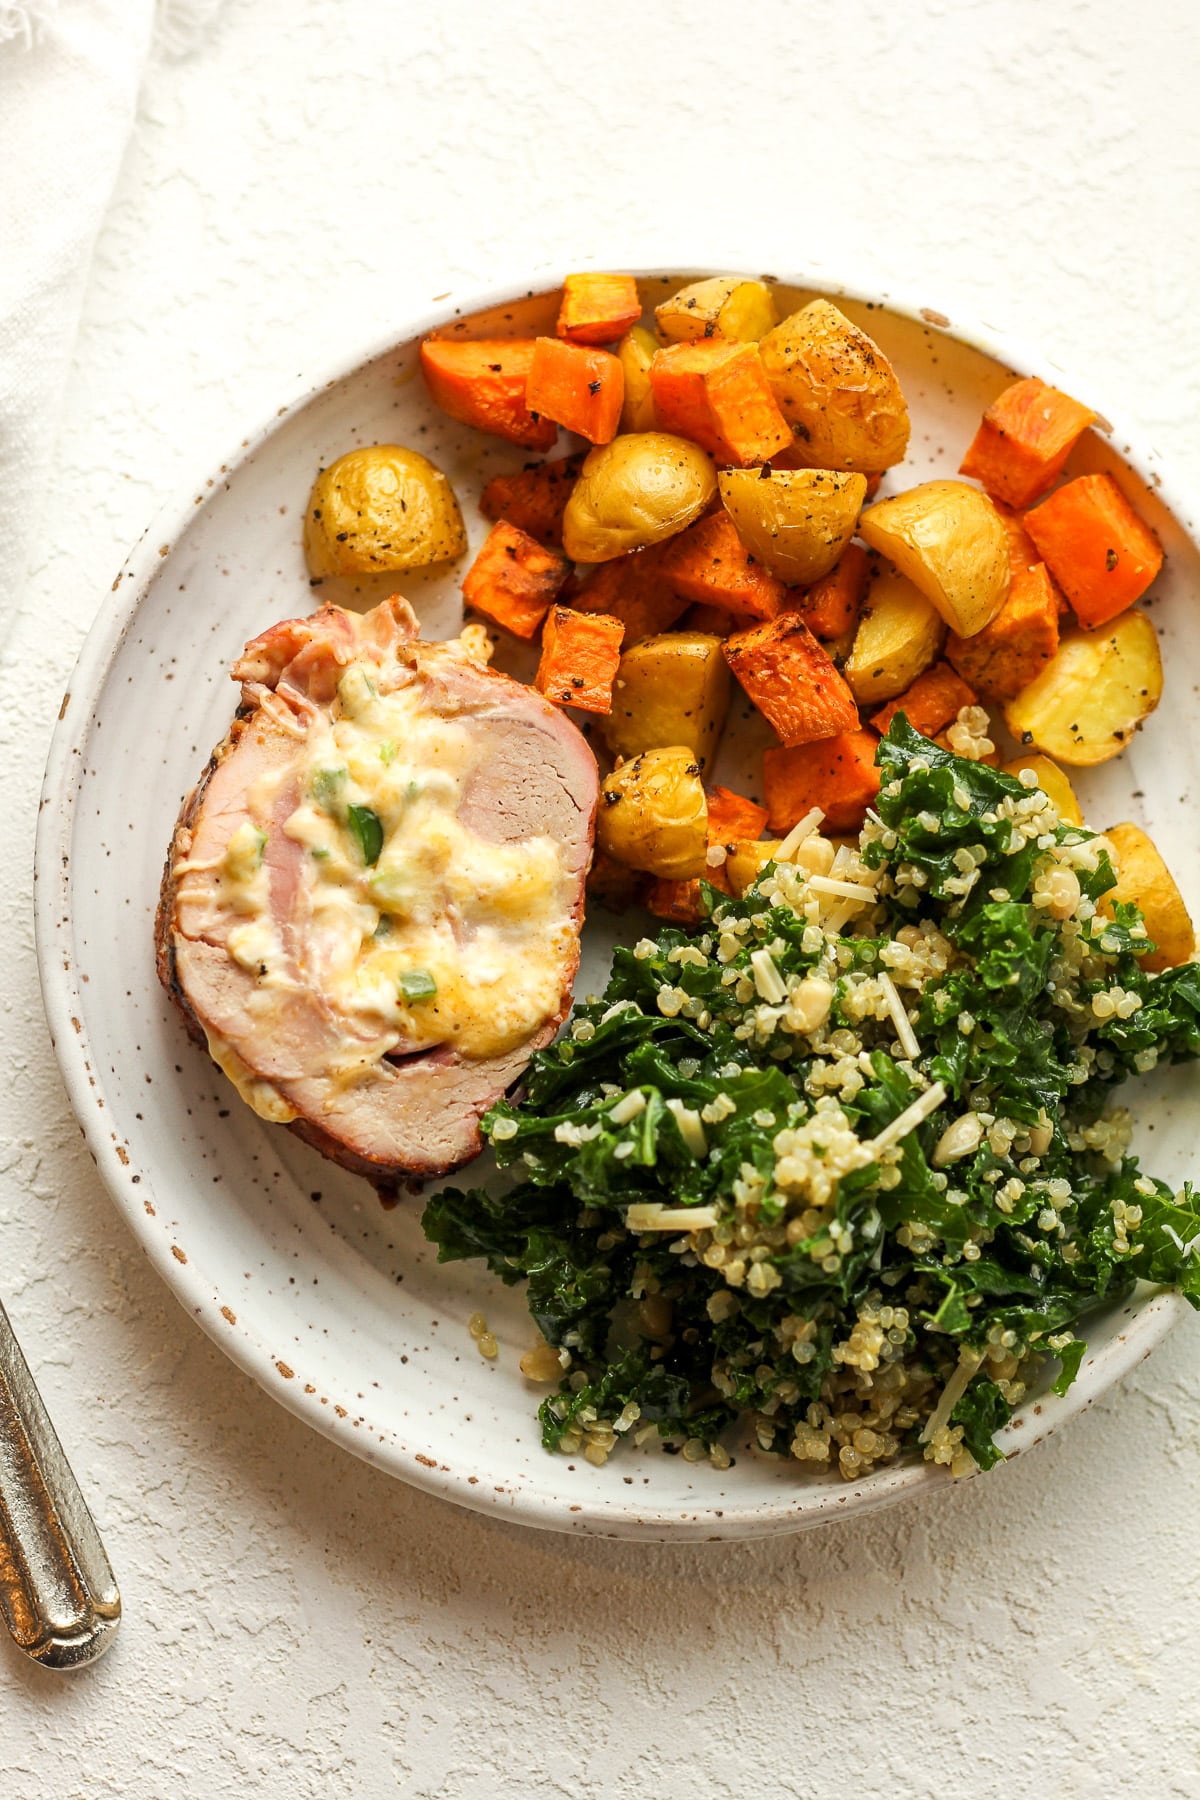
<point x="635" y="352"/>
<point x="796" y="522"/>
<point x="654" y="816"/>
<point x="837" y="390"/>
<point x="1053" y="783"/>
<point x="638" y="490"/>
<point x="949" y="539"/>
<point x="725" y="306"/>
<point x="1144" y="879"/>
<point x="747" y="860"/>
<point x="380" y="508"/>
<point x="1090" y="699"/>
<point x="670" y="689"/>
<point x="899" y="635"/>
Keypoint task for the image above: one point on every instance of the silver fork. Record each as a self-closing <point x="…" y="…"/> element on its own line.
<point x="58" y="1596"/>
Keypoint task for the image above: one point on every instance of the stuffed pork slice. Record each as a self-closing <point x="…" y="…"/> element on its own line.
<point x="371" y="908"/>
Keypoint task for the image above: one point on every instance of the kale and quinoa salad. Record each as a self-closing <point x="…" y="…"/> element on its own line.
<point x="847" y="1163"/>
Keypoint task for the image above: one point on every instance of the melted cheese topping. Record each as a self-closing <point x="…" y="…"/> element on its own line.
<point x="266" y="1100"/>
<point x="412" y="926"/>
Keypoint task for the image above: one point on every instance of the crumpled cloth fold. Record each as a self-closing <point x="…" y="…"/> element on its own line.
<point x="69" y="80"/>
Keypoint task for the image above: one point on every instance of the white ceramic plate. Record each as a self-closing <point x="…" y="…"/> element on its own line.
<point x="336" y="1306"/>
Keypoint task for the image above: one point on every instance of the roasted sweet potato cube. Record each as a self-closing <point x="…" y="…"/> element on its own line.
<point x="580" y="655"/>
<point x="831" y="606"/>
<point x="732" y="816"/>
<point x="583" y="389"/>
<point x="932" y="702"/>
<point x="481" y="382"/>
<point x="716" y="392"/>
<point x="514" y="579"/>
<point x="709" y="564"/>
<point x="679" y="902"/>
<point x="534" y="498"/>
<point x="1101" y="553"/>
<point x="632" y="588"/>
<point x="837" y="774"/>
<point x="597" y="309"/>
<point x="791" y="680"/>
<point x="1026" y="436"/>
<point x="718" y="621"/>
<point x="1011" y="652"/>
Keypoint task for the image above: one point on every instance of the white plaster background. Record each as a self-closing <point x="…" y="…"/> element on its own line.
<point x="297" y="1624"/>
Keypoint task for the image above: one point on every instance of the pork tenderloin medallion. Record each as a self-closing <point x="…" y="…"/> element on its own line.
<point x="371" y="908"/>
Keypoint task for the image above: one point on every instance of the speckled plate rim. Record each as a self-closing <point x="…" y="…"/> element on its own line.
<point x="1149" y="1315"/>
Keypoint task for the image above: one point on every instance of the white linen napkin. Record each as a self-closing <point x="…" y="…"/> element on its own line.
<point x="69" y="78"/>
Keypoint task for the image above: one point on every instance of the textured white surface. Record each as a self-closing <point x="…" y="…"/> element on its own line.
<point x="295" y="1623"/>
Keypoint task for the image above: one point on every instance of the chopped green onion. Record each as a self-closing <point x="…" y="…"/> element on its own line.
<point x="417" y="984"/>
<point x="387" y="753"/>
<point x="327" y="786"/>
<point x="384" y="927"/>
<point x="366" y="830"/>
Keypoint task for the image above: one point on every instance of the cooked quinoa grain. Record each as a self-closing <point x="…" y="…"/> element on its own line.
<point x="843" y="1168"/>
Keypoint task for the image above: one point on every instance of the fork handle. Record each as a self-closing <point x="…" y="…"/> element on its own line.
<point x="58" y="1596"/>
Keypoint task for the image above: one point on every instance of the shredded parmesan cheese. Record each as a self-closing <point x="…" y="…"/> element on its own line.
<point x="844" y="890"/>
<point x="770" y="983"/>
<point x="909" y="1119"/>
<point x="801" y="830"/>
<point x="900" y="1019"/>
<point x="690" y="1128"/>
<point x="652" y="1216"/>
<point x="968" y="1362"/>
<point x="628" y="1107"/>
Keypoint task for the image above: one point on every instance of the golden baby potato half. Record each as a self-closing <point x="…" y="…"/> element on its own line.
<point x="1091" y="697"/>
<point x="796" y="522"/>
<point x="837" y="390"/>
<point x="643" y="487"/>
<point x="654" y="815"/>
<point x="948" y="538"/>
<point x="381" y="508"/>
<point x="1144" y="879"/>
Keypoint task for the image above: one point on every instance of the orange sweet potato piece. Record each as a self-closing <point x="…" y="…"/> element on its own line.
<point x="709" y="563"/>
<point x="580" y="653"/>
<point x="597" y="309"/>
<point x="1006" y="655"/>
<point x="718" y="621"/>
<point x="838" y="775"/>
<point x="679" y="902"/>
<point x="535" y="498"/>
<point x="631" y="588"/>
<point x="716" y="392"/>
<point x="730" y="817"/>
<point x="1026" y="436"/>
<point x="1023" y="554"/>
<point x="514" y="579"/>
<point x="831" y="606"/>
<point x="482" y="383"/>
<point x="1100" y="552"/>
<point x="791" y="680"/>
<point x="931" y="703"/>
<point x="581" y="388"/>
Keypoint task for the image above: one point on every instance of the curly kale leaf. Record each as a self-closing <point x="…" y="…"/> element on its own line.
<point x="629" y="1378"/>
<point x="981" y="1412"/>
